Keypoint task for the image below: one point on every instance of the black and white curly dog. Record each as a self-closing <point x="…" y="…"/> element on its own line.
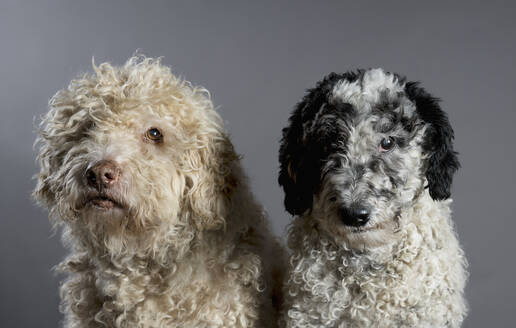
<point x="366" y="165"/>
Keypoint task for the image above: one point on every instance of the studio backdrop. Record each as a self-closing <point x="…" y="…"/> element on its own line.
<point x="257" y="58"/>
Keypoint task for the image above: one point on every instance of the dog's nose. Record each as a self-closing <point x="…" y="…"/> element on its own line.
<point x="104" y="174"/>
<point x="355" y="216"/>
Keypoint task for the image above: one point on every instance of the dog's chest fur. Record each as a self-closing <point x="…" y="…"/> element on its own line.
<point x="202" y="290"/>
<point x="415" y="282"/>
<point x="197" y="294"/>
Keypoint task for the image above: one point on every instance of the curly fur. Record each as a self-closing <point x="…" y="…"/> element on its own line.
<point x="189" y="245"/>
<point x="404" y="266"/>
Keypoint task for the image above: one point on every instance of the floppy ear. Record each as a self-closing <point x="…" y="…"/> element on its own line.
<point x="52" y="144"/>
<point x="443" y="162"/>
<point x="302" y="148"/>
<point x="297" y="170"/>
<point x="210" y="182"/>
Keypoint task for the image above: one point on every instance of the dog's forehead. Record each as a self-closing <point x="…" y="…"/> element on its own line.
<point x="374" y="92"/>
<point x="133" y="115"/>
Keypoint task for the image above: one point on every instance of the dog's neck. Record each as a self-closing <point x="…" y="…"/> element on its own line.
<point x="116" y="247"/>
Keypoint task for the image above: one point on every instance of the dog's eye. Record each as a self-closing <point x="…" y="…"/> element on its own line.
<point x="386" y="144"/>
<point x="154" y="134"/>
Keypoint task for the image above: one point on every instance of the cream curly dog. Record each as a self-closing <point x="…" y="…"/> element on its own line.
<point x="154" y="207"/>
<point x="367" y="164"/>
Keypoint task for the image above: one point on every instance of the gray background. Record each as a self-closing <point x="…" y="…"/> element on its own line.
<point x="257" y="58"/>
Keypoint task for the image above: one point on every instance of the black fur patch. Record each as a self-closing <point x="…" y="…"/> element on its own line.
<point x="443" y="163"/>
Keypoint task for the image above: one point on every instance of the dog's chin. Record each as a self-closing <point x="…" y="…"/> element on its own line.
<point x="367" y="239"/>
<point x="104" y="208"/>
<point x="103" y="205"/>
<point x="368" y="236"/>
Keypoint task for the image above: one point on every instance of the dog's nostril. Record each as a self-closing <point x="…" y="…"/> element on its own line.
<point x="361" y="214"/>
<point x="108" y="176"/>
<point x="91" y="177"/>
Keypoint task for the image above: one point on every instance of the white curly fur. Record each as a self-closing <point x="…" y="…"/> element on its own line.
<point x="405" y="267"/>
<point x="190" y="246"/>
<point x="417" y="281"/>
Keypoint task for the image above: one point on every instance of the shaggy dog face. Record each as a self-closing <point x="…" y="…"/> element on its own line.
<point x="132" y="156"/>
<point x="367" y="164"/>
<point x="155" y="208"/>
<point x="360" y="149"/>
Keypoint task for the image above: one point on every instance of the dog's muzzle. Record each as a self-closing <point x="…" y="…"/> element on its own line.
<point x="103" y="180"/>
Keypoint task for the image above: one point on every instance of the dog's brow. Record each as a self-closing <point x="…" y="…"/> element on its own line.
<point x="385" y="124"/>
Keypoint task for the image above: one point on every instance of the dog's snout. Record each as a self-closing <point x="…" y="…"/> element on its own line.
<point x="355" y="215"/>
<point x="104" y="174"/>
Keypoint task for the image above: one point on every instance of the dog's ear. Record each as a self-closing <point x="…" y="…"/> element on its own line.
<point x="52" y="144"/>
<point x="42" y="193"/>
<point x="210" y="181"/>
<point x="296" y="167"/>
<point x="302" y="148"/>
<point x="443" y="162"/>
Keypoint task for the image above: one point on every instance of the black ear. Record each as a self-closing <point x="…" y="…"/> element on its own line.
<point x="443" y="162"/>
<point x="307" y="141"/>
<point x="298" y="170"/>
